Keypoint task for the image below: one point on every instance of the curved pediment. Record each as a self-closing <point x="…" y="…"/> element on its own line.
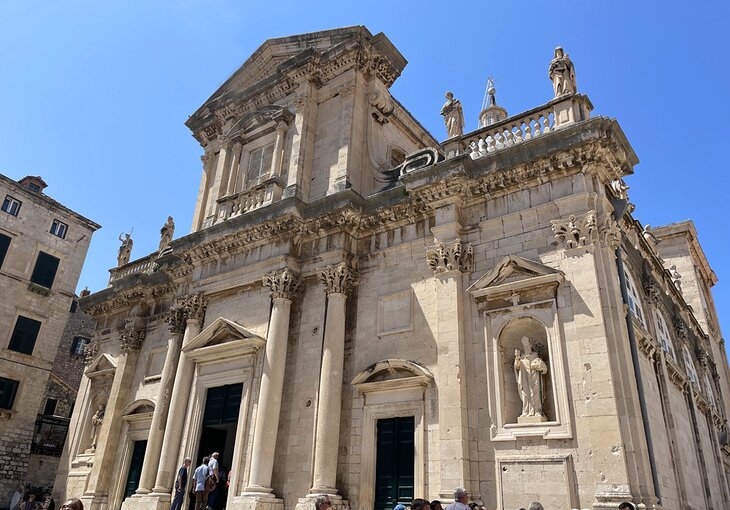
<point x="223" y="338"/>
<point x="394" y="373"/>
<point x="141" y="406"/>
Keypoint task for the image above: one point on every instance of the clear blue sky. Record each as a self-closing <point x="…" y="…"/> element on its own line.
<point x="93" y="95"/>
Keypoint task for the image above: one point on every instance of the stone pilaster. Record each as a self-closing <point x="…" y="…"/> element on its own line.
<point x="258" y="494"/>
<point x="193" y="311"/>
<point x="449" y="261"/>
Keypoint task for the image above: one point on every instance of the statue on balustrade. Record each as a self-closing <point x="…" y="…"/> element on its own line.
<point x="166" y="233"/>
<point x="125" y="250"/>
<point x="562" y="73"/>
<point x="453" y="116"/>
<point x="529" y="372"/>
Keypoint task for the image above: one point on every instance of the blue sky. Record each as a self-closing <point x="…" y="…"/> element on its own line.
<point x="94" y="94"/>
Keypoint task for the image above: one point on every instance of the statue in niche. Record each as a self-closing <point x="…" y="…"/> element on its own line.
<point x="96" y="421"/>
<point x="166" y="233"/>
<point x="562" y="73"/>
<point x="453" y="116"/>
<point x="125" y="250"/>
<point x="529" y="372"/>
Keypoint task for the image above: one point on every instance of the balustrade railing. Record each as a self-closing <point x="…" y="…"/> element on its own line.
<point x="558" y="113"/>
<point x="143" y="265"/>
<point x="249" y="199"/>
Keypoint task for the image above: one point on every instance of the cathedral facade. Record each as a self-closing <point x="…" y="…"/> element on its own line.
<point x="363" y="311"/>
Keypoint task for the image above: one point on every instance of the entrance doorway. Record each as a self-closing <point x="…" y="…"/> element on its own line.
<point x="218" y="434"/>
<point x="394" y="462"/>
<point x="135" y="468"/>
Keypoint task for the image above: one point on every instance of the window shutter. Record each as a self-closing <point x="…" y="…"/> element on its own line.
<point x="45" y="269"/>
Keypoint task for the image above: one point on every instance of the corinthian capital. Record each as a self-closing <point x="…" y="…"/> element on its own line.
<point x="339" y="279"/>
<point x="130" y="339"/>
<point x="194" y="306"/>
<point x="455" y="256"/>
<point x="284" y="284"/>
<point x="176" y="319"/>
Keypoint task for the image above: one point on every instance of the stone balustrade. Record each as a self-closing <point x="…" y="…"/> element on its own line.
<point x="556" y="114"/>
<point x="144" y="265"/>
<point x="250" y="199"/>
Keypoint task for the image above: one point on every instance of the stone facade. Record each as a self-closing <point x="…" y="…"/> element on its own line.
<point x="345" y="269"/>
<point x="36" y="233"/>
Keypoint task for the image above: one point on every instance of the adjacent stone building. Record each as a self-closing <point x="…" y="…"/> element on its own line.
<point x="365" y="312"/>
<point x="43" y="245"/>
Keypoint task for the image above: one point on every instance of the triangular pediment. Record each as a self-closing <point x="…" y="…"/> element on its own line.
<point x="223" y="338"/>
<point x="102" y="364"/>
<point x="514" y="272"/>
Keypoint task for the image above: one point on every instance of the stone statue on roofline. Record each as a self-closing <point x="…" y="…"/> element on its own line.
<point x="453" y="116"/>
<point x="166" y="233"/>
<point x="529" y="372"/>
<point x="125" y="250"/>
<point x="562" y="73"/>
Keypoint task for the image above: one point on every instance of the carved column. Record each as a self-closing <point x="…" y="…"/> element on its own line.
<point x="97" y="489"/>
<point x="201" y="204"/>
<point x="218" y="184"/>
<point x="193" y="309"/>
<point x="449" y="261"/>
<point x="338" y="281"/>
<point x="281" y="128"/>
<point x="234" y="172"/>
<point x="284" y="286"/>
<point x="176" y="320"/>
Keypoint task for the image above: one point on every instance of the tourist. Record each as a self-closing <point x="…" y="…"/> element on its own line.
<point x="72" y="504"/>
<point x="436" y="505"/>
<point x="420" y="504"/>
<point x="49" y="503"/>
<point x="181" y="483"/>
<point x="535" y="505"/>
<point x="201" y="477"/>
<point x="29" y="502"/>
<point x="322" y="502"/>
<point x="626" y="506"/>
<point x="461" y="496"/>
<point x="213" y="487"/>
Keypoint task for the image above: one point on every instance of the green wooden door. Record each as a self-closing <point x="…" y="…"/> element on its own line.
<point x="135" y="468"/>
<point x="394" y="463"/>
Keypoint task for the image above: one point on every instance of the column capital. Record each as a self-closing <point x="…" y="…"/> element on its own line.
<point x="454" y="256"/>
<point x="284" y="284"/>
<point x="175" y="319"/>
<point x="194" y="306"/>
<point x="130" y="339"/>
<point x="339" y="279"/>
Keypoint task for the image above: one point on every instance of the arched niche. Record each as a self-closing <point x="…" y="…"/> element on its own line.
<point x="510" y="340"/>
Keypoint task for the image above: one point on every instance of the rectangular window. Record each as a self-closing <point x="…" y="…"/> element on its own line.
<point x="4" y="245"/>
<point x="78" y="344"/>
<point x="24" y="335"/>
<point x="11" y="205"/>
<point x="58" y="228"/>
<point x="259" y="164"/>
<point x="50" y="408"/>
<point x="45" y="269"/>
<point x="34" y="187"/>
<point x="8" y="389"/>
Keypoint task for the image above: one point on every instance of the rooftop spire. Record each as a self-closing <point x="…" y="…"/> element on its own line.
<point x="491" y="113"/>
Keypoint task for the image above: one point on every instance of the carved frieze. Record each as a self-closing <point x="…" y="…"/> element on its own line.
<point x="339" y="279"/>
<point x="284" y="284"/>
<point x="455" y="256"/>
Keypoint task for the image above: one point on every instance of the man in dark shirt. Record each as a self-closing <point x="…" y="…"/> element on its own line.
<point x="181" y="483"/>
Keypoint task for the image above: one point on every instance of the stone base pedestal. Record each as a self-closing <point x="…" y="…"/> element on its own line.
<point x="307" y="502"/>
<point x="152" y="501"/>
<point x="531" y="419"/>
<point x="94" y="502"/>
<point x="256" y="501"/>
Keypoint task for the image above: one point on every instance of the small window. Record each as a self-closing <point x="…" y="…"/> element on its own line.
<point x="8" y="389"/>
<point x="50" y="408"/>
<point x="11" y="205"/>
<point x="634" y="300"/>
<point x="662" y="332"/>
<point x="34" y="187"/>
<point x="690" y="366"/>
<point x="24" y="335"/>
<point x="58" y="228"/>
<point x="45" y="269"/>
<point x="4" y="245"/>
<point x="259" y="164"/>
<point x="78" y="344"/>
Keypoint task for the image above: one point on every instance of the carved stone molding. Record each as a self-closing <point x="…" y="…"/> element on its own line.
<point x="676" y="375"/>
<point x="194" y="306"/>
<point x="456" y="256"/>
<point x="651" y="290"/>
<point x="610" y="233"/>
<point x="130" y="339"/>
<point x="576" y="231"/>
<point x="648" y="348"/>
<point x="680" y="327"/>
<point x="382" y="107"/>
<point x="284" y="284"/>
<point x="339" y="279"/>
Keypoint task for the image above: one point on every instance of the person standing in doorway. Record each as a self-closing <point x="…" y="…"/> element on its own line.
<point x="215" y="474"/>
<point x="181" y="483"/>
<point x="461" y="498"/>
<point x="201" y="476"/>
